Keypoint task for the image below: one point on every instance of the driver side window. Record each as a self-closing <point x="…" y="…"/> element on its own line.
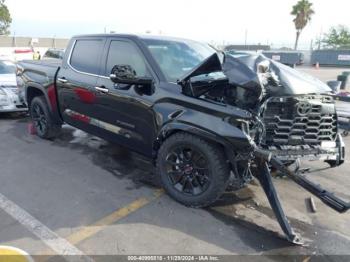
<point x="125" y="53"/>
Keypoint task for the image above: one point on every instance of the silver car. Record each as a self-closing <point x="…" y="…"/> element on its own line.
<point x="9" y="96"/>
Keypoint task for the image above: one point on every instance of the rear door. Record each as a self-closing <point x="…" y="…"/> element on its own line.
<point x="126" y="110"/>
<point x="76" y="82"/>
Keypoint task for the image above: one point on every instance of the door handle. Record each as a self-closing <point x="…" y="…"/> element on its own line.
<point x="62" y="80"/>
<point x="101" y="89"/>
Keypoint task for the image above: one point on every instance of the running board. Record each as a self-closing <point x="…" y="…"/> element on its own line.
<point x="326" y="197"/>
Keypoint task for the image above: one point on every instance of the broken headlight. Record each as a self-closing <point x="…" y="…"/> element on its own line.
<point x="267" y="77"/>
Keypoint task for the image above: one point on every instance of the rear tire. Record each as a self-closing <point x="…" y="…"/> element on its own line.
<point x="193" y="171"/>
<point x="42" y="119"/>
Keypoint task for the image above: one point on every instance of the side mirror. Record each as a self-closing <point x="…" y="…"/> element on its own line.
<point x="125" y="74"/>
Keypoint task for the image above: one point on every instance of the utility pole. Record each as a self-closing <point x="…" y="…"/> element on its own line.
<point x="320" y="39"/>
<point x="14" y="39"/>
<point x="246" y="37"/>
<point x="312" y="45"/>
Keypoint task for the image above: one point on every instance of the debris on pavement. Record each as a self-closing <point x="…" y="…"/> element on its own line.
<point x="312" y="205"/>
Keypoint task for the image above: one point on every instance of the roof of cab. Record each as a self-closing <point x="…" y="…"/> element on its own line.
<point x="134" y="36"/>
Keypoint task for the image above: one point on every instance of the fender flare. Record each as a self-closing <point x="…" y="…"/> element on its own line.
<point x="175" y="126"/>
<point x="50" y="96"/>
<point x="40" y="88"/>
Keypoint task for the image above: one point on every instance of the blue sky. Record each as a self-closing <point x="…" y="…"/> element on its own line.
<point x="220" y="21"/>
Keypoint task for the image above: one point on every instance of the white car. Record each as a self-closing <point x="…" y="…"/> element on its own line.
<point x="9" y="98"/>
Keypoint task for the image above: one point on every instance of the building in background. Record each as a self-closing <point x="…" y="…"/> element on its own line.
<point x="247" y="47"/>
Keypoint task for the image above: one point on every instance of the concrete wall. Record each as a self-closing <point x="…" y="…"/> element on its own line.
<point x="10" y="41"/>
<point x="9" y="45"/>
<point x="8" y="53"/>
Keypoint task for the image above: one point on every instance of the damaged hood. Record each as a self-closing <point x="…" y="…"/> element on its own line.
<point x="209" y="65"/>
<point x="255" y="71"/>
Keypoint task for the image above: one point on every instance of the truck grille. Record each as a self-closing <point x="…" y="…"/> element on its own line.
<point x="300" y="120"/>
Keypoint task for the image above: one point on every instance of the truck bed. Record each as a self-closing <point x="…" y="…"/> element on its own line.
<point x="42" y="71"/>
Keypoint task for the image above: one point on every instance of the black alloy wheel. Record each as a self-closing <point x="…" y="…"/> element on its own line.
<point x="42" y="120"/>
<point x="188" y="170"/>
<point x="39" y="119"/>
<point x="192" y="170"/>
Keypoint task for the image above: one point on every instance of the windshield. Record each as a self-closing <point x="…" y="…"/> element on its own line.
<point x="7" y="68"/>
<point x="177" y="58"/>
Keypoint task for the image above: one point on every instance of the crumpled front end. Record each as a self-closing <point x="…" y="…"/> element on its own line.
<point x="291" y="116"/>
<point x="295" y="117"/>
<point x="299" y="117"/>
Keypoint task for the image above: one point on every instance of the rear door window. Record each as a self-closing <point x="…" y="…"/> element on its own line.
<point x="86" y="55"/>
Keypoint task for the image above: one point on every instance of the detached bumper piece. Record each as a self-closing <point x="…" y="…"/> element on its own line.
<point x="326" y="197"/>
<point x="265" y="180"/>
<point x="264" y="159"/>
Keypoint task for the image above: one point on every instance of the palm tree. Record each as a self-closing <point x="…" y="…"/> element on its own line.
<point x="303" y="12"/>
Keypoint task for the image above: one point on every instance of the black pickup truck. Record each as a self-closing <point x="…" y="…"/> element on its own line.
<point x="209" y="120"/>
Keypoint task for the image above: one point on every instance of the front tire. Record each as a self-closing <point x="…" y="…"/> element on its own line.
<point x="193" y="171"/>
<point x="42" y="119"/>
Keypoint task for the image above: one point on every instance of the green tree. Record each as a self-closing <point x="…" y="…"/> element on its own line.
<point x="337" y="38"/>
<point x="302" y="12"/>
<point x="5" y="19"/>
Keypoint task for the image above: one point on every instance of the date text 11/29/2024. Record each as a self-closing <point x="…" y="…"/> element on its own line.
<point x="173" y="258"/>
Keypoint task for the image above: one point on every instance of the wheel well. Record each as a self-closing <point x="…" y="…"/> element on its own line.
<point x="31" y="93"/>
<point x="160" y="140"/>
<point x="165" y="136"/>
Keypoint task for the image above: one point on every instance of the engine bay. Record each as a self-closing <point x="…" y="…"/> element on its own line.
<point x="295" y="117"/>
<point x="246" y="81"/>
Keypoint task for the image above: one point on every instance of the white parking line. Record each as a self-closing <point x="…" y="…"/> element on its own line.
<point x="51" y="239"/>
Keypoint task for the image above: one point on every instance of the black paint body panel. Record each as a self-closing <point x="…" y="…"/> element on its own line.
<point x="133" y="118"/>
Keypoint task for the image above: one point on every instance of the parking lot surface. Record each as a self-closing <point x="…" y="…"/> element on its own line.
<point x="325" y="74"/>
<point x="84" y="195"/>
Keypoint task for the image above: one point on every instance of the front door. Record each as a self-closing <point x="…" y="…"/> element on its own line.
<point x="126" y="110"/>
